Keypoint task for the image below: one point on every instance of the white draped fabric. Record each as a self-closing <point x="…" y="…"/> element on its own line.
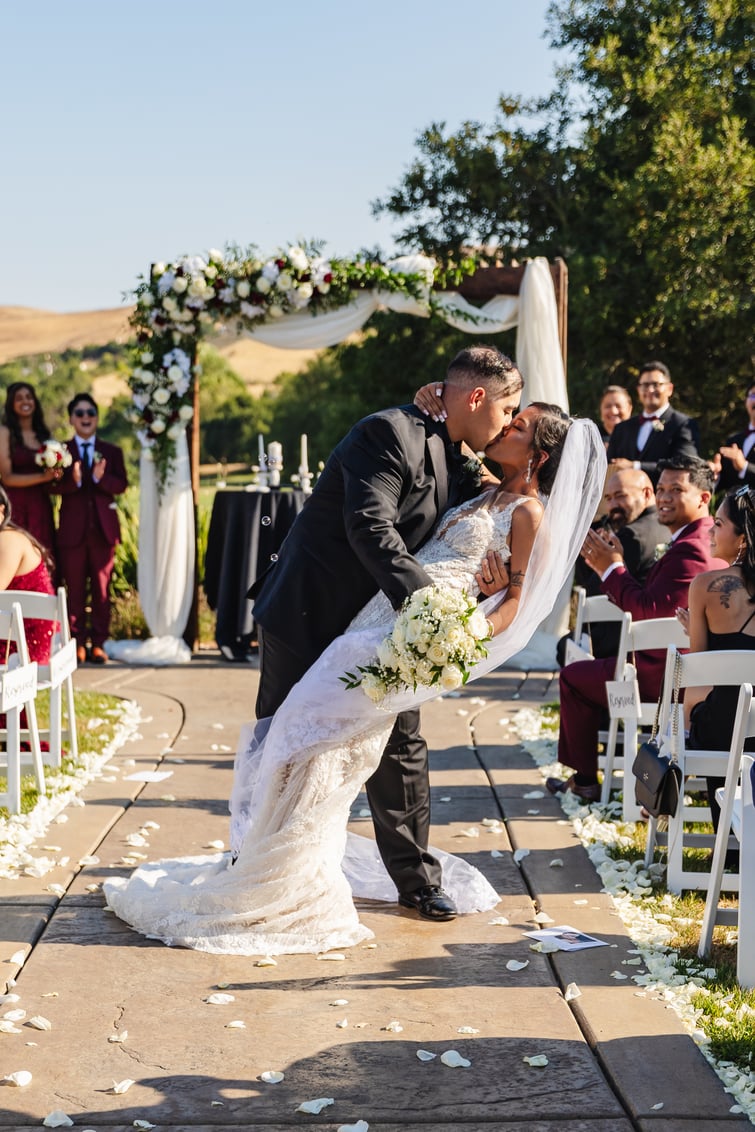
<point x="166" y="524"/>
<point x="165" y="571"/>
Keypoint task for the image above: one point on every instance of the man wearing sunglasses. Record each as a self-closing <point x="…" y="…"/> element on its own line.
<point x="657" y="433"/>
<point x="88" y="528"/>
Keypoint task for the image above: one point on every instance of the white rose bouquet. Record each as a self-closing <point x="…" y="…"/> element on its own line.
<point x="53" y="454"/>
<point x="437" y="638"/>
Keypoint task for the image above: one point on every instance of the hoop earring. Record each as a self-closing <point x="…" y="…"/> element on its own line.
<point x="528" y="473"/>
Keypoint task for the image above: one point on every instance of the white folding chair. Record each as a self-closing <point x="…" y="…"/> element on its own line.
<point x="697" y="669"/>
<point x="641" y="636"/>
<point x="18" y="688"/>
<point x="737" y="817"/>
<point x="57" y="675"/>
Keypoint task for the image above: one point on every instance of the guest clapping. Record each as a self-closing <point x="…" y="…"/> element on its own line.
<point x="22" y="436"/>
<point x="734" y="463"/>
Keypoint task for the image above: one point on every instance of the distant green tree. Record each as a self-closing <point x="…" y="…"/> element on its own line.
<point x="229" y="417"/>
<point x="639" y="170"/>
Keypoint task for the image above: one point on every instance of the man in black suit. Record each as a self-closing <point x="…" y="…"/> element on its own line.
<point x="378" y="500"/>
<point x="734" y="463"/>
<point x="632" y="516"/>
<point x="658" y="432"/>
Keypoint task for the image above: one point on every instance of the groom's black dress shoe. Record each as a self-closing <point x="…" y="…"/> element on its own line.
<point x="431" y="902"/>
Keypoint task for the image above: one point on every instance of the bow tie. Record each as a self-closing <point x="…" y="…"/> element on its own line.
<point x="652" y="417"/>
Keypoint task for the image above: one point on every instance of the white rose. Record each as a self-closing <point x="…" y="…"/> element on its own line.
<point x="323" y="288"/>
<point x="298" y="259"/>
<point x="145" y="299"/>
<point x="141" y="400"/>
<point x="147" y="357"/>
<point x="175" y="431"/>
<point x="304" y="291"/>
<point x="147" y="376"/>
<point x="424" y="672"/>
<point x="215" y="256"/>
<point x="243" y="288"/>
<point x="285" y="281"/>
<point x="398" y="635"/>
<point x="161" y="396"/>
<point x="227" y="295"/>
<point x="250" y="310"/>
<point x="263" y="285"/>
<point x="210" y="272"/>
<point x="186" y="412"/>
<point x="180" y="284"/>
<point x="175" y="373"/>
<point x="451" y="677"/>
<point x="437" y="653"/>
<point x="158" y="425"/>
<point x="478" y="625"/>
<point x="386" y="653"/>
<point x="158" y="269"/>
<point x="414" y="630"/>
<point x="275" y="311"/>
<point x="373" y="687"/>
<point x="271" y="271"/>
<point x="198" y="288"/>
<point x="454" y="634"/>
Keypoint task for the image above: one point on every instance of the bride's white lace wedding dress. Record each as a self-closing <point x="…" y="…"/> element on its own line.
<point x="297" y="774"/>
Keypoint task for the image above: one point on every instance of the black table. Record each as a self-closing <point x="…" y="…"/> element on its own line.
<point x="246" y="528"/>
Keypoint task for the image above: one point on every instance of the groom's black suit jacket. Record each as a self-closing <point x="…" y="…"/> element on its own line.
<point x="378" y="500"/>
<point x="677" y="437"/>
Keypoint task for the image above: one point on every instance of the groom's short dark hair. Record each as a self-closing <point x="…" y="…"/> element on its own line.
<point x="485" y="365"/>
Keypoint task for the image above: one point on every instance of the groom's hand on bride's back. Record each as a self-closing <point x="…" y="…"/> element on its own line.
<point x="493" y="575"/>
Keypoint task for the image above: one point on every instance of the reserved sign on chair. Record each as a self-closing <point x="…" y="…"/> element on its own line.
<point x="623" y="699"/>
<point x="18" y="687"/>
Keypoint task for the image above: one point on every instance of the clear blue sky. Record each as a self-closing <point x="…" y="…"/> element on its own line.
<point x="137" y="130"/>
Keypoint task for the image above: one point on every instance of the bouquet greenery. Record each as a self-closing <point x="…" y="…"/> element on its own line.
<point x="438" y="636"/>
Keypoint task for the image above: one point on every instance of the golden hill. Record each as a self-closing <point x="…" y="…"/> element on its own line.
<point x="25" y="330"/>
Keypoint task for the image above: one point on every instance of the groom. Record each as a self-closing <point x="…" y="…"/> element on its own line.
<point x="378" y="500"/>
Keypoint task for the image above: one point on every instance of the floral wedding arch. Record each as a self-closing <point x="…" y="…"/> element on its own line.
<point x="294" y="299"/>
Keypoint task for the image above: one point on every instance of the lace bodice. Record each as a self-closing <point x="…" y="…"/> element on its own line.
<point x="453" y="555"/>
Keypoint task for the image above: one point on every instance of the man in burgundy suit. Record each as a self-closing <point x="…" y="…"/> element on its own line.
<point x="684" y="490"/>
<point x="88" y="528"/>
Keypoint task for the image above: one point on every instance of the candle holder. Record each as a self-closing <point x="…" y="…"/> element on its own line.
<point x="305" y="480"/>
<point x="259" y="479"/>
<point x="274" y="464"/>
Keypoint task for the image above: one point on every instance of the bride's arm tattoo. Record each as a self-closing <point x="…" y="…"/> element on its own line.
<point x="517" y="579"/>
<point x="725" y="587"/>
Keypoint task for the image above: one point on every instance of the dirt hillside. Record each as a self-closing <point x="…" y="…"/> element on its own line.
<point x="25" y="330"/>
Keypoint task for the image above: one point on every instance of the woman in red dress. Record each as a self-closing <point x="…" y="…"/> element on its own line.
<point x="25" y="565"/>
<point x="22" y="434"/>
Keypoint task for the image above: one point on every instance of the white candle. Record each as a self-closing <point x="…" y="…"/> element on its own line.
<point x="261" y="450"/>
<point x="303" y="469"/>
<point x="275" y="452"/>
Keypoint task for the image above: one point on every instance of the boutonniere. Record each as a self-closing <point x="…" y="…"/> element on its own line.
<point x="660" y="550"/>
<point x="658" y="425"/>
<point x="97" y="456"/>
<point x="471" y="471"/>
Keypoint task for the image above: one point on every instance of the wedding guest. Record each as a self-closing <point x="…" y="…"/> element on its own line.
<point x="631" y="513"/>
<point x="734" y="463"/>
<point x="23" y="433"/>
<point x="684" y="491"/>
<point x="88" y="527"/>
<point x="615" y="406"/>
<point x="25" y="565"/>
<point x="658" y="432"/>
<point x="721" y="616"/>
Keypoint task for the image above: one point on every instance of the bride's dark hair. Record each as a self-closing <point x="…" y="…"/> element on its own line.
<point x="548" y="437"/>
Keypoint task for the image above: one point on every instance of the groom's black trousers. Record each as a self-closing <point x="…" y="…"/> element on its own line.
<point x="398" y="791"/>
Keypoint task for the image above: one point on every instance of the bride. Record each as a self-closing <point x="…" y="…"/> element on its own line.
<point x="297" y="774"/>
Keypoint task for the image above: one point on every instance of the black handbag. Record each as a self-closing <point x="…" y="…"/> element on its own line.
<point x="658" y="777"/>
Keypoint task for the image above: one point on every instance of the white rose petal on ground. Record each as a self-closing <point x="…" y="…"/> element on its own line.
<point x="572" y="991"/>
<point x="18" y="957"/>
<point x="618" y="975"/>
<point x="219" y="999"/>
<point x="360" y="1126"/>
<point x="446" y="798"/>
<point x="122" y="1086"/>
<point x="472" y="831"/>
<point x="425" y="1055"/>
<point x="393" y="1027"/>
<point x="496" y="853"/>
<point x="40" y="1023"/>
<point x="543" y="918"/>
<point x="145" y="1126"/>
<point x="237" y="1024"/>
<point x="11" y="998"/>
<point x="453" y="1059"/>
<point x="557" y="863"/>
<point x="57" y="1119"/>
<point x="467" y="1030"/>
<point x="266" y="961"/>
<point x="520" y="854"/>
<point x="315" y="1106"/>
<point x="499" y="921"/>
<point x="657" y="1107"/>
<point x="342" y="1025"/>
<point x="537" y="1061"/>
<point x="545" y="946"/>
<point x="19" y="1080"/>
<point x="332" y="956"/>
<point x="7" y="1027"/>
<point x="517" y="964"/>
<point x="532" y="794"/>
<point x="215" y="845"/>
<point x="118" y="1037"/>
<point x="15" y="1015"/>
<point x="271" y="1077"/>
<point x="339" y="1002"/>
